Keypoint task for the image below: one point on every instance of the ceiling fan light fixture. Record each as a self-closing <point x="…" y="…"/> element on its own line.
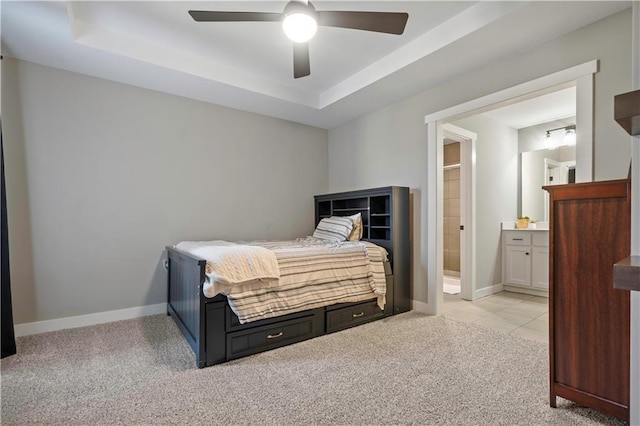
<point x="299" y="26"/>
<point x="300" y="22"/>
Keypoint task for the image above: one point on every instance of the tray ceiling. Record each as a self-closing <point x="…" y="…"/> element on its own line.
<point x="248" y="66"/>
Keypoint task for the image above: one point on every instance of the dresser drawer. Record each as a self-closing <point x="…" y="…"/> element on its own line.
<point x="259" y="339"/>
<point x="350" y="316"/>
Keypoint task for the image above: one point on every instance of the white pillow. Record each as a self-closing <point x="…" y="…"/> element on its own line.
<point x="334" y="228"/>
<point x="356" y="232"/>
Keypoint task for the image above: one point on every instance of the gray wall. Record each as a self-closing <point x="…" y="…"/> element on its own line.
<point x="388" y="146"/>
<point x="102" y="176"/>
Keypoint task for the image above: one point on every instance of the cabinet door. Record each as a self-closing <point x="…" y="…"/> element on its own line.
<point x="540" y="268"/>
<point x="518" y="266"/>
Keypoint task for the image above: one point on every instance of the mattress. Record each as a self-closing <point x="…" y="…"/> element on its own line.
<point x="312" y="273"/>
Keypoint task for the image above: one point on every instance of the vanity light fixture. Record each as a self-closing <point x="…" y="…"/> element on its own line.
<point x="548" y="142"/>
<point x="568" y="140"/>
<point x="570" y="136"/>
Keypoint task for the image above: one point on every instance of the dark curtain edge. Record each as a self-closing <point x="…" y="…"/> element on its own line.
<point x="8" y="342"/>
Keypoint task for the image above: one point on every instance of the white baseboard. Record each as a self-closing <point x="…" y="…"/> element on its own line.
<point x="533" y="292"/>
<point x="37" y="327"/>
<point x="487" y="291"/>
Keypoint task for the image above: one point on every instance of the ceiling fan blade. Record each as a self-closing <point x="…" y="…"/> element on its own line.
<point x="301" y="66"/>
<point x="381" y="22"/>
<point x="211" y="16"/>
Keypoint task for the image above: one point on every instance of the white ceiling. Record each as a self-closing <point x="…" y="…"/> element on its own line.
<point x="553" y="106"/>
<point x="248" y="66"/>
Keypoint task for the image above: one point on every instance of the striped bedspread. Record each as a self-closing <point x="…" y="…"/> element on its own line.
<point x="313" y="273"/>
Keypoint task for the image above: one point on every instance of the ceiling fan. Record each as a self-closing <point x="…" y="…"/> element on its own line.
<point x="300" y="21"/>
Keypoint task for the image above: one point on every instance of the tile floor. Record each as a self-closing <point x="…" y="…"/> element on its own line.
<point x="520" y="314"/>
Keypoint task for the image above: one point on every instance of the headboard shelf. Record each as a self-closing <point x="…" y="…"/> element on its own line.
<point x="355" y="209"/>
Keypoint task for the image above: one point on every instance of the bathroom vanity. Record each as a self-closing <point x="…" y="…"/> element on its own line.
<point x="525" y="261"/>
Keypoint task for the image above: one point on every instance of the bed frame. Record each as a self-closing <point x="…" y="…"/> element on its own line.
<point x="214" y="332"/>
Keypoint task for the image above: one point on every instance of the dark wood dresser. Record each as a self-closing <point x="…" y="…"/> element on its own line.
<point x="588" y="317"/>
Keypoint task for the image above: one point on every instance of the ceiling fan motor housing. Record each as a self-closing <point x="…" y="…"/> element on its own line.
<point x="300" y="21"/>
<point x="296" y="6"/>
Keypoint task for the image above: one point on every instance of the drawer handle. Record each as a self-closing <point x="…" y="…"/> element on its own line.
<point x="358" y="315"/>
<point x="517" y="239"/>
<point x="274" y="336"/>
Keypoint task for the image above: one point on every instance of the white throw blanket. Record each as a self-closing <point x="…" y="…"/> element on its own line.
<point x="232" y="264"/>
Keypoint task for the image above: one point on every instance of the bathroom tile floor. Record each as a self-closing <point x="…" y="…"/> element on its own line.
<point x="520" y="314"/>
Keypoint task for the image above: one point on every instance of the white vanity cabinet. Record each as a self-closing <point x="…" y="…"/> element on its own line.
<point x="525" y="261"/>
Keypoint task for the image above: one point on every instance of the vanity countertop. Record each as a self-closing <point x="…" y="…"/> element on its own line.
<point x="511" y="226"/>
<point x="527" y="229"/>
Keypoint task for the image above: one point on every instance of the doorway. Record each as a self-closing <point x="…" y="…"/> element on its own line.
<point x="461" y="224"/>
<point x="452" y="226"/>
<point x="581" y="76"/>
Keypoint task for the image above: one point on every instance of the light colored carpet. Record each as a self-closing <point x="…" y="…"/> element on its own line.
<point x="407" y="369"/>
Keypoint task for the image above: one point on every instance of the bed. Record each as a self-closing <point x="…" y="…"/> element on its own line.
<point x="233" y="299"/>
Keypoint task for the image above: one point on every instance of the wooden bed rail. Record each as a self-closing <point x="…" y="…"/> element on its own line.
<point x="186" y="276"/>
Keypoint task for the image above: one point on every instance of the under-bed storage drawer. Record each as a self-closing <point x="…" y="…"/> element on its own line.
<point x="259" y="339"/>
<point x="352" y="315"/>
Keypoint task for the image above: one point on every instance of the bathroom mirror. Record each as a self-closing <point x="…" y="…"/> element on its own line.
<point x="544" y="167"/>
